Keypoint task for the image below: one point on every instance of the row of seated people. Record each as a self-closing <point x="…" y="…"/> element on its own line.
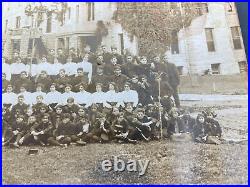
<point x="70" y="123"/>
<point x="107" y="99"/>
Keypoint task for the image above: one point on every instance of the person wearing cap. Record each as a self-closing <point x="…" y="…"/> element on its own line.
<point x="99" y="97"/>
<point x="44" y="80"/>
<point x="129" y="95"/>
<point x="87" y="66"/>
<point x="115" y="53"/>
<point x="71" y="107"/>
<point x="17" y="67"/>
<point x="118" y="78"/>
<point x="67" y="94"/>
<point x="83" y="97"/>
<point x="28" y="96"/>
<point x="99" y="77"/>
<point x="23" y="80"/>
<point x="39" y="103"/>
<point x="79" y="78"/>
<point x="113" y="98"/>
<point x="9" y="97"/>
<point x="53" y="97"/>
<point x="62" y="80"/>
<point x="18" y="130"/>
<point x="173" y="79"/>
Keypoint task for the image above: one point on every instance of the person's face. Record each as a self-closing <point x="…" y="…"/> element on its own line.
<point x="98" y="88"/>
<point x="100" y="58"/>
<point x="67" y="89"/>
<point x="118" y="72"/>
<point x="144" y="79"/>
<point x="165" y="59"/>
<point x="58" y="110"/>
<point x="111" y="87"/>
<point x="66" y="120"/>
<point x="140" y="115"/>
<point x="157" y="59"/>
<point x="70" y="103"/>
<point x="39" y="89"/>
<point x="43" y="74"/>
<point x="39" y="99"/>
<point x="9" y="89"/>
<point x="81" y="112"/>
<point x="80" y="73"/>
<point x="16" y="54"/>
<point x="81" y="88"/>
<point x="166" y="116"/>
<point x="44" y="59"/>
<point x="60" y="51"/>
<point x="114" y="61"/>
<point x="62" y="73"/>
<point x="32" y="119"/>
<point x="129" y="59"/>
<point x="45" y="119"/>
<point x="23" y="75"/>
<point x="20" y="100"/>
<point x="209" y="116"/>
<point x="120" y="118"/>
<point x="87" y="49"/>
<point x="52" y="88"/>
<point x="104" y="49"/>
<point x="175" y="114"/>
<point x="126" y="88"/>
<point x="52" y="52"/>
<point x="129" y="108"/>
<point x="3" y="76"/>
<point x="19" y="120"/>
<point x="143" y="61"/>
<point x="22" y="89"/>
<point x="114" y="51"/>
<point x="86" y="58"/>
<point x="42" y="110"/>
<point x="29" y="112"/>
<point x="99" y="71"/>
<point x="201" y="119"/>
<point x="116" y="111"/>
<point x="134" y="80"/>
<point x="94" y="109"/>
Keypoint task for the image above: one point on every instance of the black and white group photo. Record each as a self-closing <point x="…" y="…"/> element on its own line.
<point x="160" y="88"/>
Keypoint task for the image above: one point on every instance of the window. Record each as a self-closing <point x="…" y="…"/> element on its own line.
<point x="243" y="66"/>
<point x="49" y="22"/>
<point x="180" y="70"/>
<point x="18" y="22"/>
<point x="77" y="13"/>
<point x="215" y="68"/>
<point x="210" y="39"/>
<point x="16" y="45"/>
<point x="236" y="37"/>
<point x="69" y="12"/>
<point x="174" y="43"/>
<point x="121" y="42"/>
<point x="91" y="11"/>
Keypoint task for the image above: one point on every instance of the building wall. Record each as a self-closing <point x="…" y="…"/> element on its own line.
<point x="194" y="55"/>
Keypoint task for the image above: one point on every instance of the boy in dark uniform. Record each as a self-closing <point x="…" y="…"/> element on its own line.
<point x="118" y="78"/>
<point x="56" y="117"/>
<point x="24" y="81"/>
<point x="118" y="56"/>
<point x="39" y="103"/>
<point x="71" y="108"/>
<point x="61" y="57"/>
<point x="99" y="78"/>
<point x="5" y="82"/>
<point x="106" y="55"/>
<point x="130" y="68"/>
<point x="79" y="79"/>
<point x="19" y="108"/>
<point x="62" y="80"/>
<point x="51" y="56"/>
<point x="44" y="80"/>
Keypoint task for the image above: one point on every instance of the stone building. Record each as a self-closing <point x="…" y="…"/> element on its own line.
<point x="212" y="43"/>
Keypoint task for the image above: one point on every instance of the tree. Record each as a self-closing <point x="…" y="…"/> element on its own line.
<point x="154" y="23"/>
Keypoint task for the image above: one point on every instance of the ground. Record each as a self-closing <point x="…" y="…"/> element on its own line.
<point x="169" y="162"/>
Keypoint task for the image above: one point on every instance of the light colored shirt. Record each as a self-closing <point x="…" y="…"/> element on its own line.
<point x="17" y="68"/>
<point x="52" y="97"/>
<point x="99" y="98"/>
<point x="112" y="96"/>
<point x="6" y="70"/>
<point x="65" y="96"/>
<point x="130" y="96"/>
<point x="83" y="98"/>
<point x="28" y="97"/>
<point x="9" y="98"/>
<point x="70" y="68"/>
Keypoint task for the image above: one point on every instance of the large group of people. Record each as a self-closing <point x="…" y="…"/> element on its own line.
<point x="73" y="98"/>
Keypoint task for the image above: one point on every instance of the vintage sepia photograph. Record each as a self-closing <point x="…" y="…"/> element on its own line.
<point x="124" y="93"/>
